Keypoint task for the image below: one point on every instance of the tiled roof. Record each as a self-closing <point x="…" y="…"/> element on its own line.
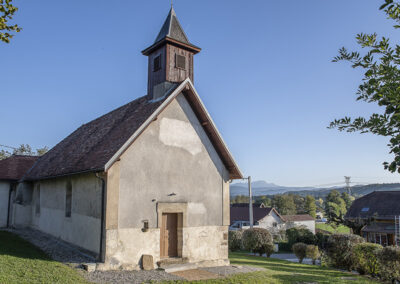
<point x="242" y="213"/>
<point x="14" y="167"/>
<point x="378" y="203"/>
<point x="298" y="218"/>
<point x="93" y="144"/>
<point x="379" y="228"/>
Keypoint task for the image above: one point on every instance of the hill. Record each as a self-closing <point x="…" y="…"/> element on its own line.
<point x="264" y="188"/>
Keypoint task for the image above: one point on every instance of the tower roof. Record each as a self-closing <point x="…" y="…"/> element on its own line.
<point x="171" y="31"/>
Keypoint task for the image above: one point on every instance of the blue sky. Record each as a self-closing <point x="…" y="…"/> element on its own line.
<point x="265" y="74"/>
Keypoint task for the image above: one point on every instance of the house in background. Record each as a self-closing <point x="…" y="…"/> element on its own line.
<point x="379" y="211"/>
<point x="268" y="218"/>
<point x="149" y="179"/>
<point x="12" y="169"/>
<point x="264" y="217"/>
<point x="304" y="220"/>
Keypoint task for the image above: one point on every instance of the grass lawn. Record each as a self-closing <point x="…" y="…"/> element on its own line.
<point x="21" y="262"/>
<point x="342" y="229"/>
<point x="280" y="271"/>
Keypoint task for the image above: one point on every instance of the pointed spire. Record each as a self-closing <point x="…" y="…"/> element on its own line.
<point x="172" y="29"/>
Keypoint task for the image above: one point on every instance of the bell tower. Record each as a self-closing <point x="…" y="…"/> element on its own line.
<point x="170" y="58"/>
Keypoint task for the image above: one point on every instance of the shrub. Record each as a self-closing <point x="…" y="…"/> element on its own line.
<point x="321" y="240"/>
<point x="300" y="250"/>
<point x="284" y="246"/>
<point x="313" y="253"/>
<point x="366" y="258"/>
<point x="389" y="263"/>
<point x="235" y="240"/>
<point x="340" y="250"/>
<point x="300" y="235"/>
<point x="258" y="240"/>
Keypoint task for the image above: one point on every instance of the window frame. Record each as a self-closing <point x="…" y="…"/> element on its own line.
<point x="68" y="200"/>
<point x="177" y="56"/>
<point x="158" y="60"/>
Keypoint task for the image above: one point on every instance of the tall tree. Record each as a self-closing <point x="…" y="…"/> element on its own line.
<point x="380" y="85"/>
<point x="335" y="208"/>
<point x="284" y="204"/>
<point x="7" y="11"/>
<point x="348" y="199"/>
<point x="310" y="206"/>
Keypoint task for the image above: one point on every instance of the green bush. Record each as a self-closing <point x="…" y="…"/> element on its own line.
<point x="313" y="253"/>
<point x="300" y="235"/>
<point x="284" y="246"/>
<point x="340" y="250"/>
<point x="321" y="240"/>
<point x="389" y="263"/>
<point x="300" y="250"/>
<point x="235" y="240"/>
<point x="258" y="240"/>
<point x="366" y="258"/>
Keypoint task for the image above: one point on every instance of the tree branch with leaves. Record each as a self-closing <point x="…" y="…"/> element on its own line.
<point x="380" y="85"/>
<point x="7" y="11"/>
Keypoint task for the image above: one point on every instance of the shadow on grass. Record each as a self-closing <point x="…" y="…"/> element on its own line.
<point x="13" y="245"/>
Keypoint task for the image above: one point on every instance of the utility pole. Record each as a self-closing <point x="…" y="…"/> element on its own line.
<point x="347" y="181"/>
<point x="250" y="203"/>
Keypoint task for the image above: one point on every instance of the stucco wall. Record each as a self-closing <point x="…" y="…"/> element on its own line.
<point x="268" y="223"/>
<point x="83" y="227"/>
<point x="4" y="192"/>
<point x="172" y="161"/>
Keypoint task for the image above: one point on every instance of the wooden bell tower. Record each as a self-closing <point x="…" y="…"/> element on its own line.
<point x="170" y="58"/>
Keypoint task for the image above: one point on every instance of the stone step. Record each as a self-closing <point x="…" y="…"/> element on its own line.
<point x="177" y="267"/>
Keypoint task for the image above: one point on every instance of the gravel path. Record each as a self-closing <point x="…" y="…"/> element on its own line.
<point x="134" y="277"/>
<point x="55" y="248"/>
<point x="232" y="269"/>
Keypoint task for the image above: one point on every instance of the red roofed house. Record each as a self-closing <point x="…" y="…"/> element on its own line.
<point x="149" y="178"/>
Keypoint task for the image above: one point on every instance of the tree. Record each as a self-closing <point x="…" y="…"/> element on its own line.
<point x="310" y="206"/>
<point x="284" y="204"/>
<point x="24" y="149"/>
<point x="335" y="208"/>
<point x="299" y="201"/>
<point x="7" y="10"/>
<point x="380" y="85"/>
<point x="348" y="199"/>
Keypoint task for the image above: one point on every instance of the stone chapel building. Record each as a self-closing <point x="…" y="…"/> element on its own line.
<point x="149" y="178"/>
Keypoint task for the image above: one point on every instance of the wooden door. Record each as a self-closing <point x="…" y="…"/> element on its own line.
<point x="169" y="235"/>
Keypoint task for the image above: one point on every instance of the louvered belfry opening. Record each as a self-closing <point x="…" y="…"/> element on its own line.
<point x="170" y="58"/>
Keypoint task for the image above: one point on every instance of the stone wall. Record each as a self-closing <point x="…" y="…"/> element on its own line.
<point x="172" y="161"/>
<point x="43" y="206"/>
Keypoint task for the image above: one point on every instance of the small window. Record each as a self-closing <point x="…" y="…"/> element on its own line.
<point x="365" y="209"/>
<point x="157" y="63"/>
<point x="180" y="61"/>
<point x="68" y="200"/>
<point x="37" y="203"/>
<point x="275" y="224"/>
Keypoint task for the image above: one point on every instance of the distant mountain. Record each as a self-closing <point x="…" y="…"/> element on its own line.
<point x="265" y="188"/>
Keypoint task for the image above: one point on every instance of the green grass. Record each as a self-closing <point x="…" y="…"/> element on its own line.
<point x="281" y="271"/>
<point x="342" y="229"/>
<point x="21" y="262"/>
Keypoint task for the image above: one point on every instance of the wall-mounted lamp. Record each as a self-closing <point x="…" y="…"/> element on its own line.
<point x="145" y="226"/>
<point x="172" y="194"/>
